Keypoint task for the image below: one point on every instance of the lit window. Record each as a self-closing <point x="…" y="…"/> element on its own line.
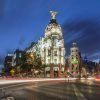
<point x="55" y="61"/>
<point x="20" y="55"/>
<point x="55" y="53"/>
<point x="48" y="61"/>
<point x="49" y="52"/>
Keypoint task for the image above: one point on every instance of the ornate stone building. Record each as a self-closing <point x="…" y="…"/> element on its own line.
<point x="74" y="60"/>
<point x="51" y="48"/>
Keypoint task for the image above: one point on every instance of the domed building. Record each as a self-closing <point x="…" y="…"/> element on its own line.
<point x="52" y="49"/>
<point x="53" y="28"/>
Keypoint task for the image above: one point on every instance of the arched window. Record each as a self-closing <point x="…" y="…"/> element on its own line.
<point x="76" y="57"/>
<point x="72" y="67"/>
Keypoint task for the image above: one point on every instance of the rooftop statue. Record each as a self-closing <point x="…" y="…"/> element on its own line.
<point x="53" y="14"/>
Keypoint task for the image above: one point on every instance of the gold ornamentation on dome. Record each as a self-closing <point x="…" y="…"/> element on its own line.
<point x="53" y="14"/>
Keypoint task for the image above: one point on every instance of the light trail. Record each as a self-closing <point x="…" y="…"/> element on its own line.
<point x="2" y="82"/>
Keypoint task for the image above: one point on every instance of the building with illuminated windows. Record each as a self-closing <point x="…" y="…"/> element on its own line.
<point x="74" y="61"/>
<point x="51" y="48"/>
<point x="17" y="57"/>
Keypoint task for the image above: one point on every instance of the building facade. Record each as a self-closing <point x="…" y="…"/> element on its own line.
<point x="8" y="61"/>
<point x="51" y="49"/>
<point x="74" y="61"/>
<point x="17" y="57"/>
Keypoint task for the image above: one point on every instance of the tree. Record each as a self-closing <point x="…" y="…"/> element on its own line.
<point x="31" y="63"/>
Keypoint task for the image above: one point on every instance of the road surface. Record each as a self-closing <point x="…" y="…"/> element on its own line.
<point x="51" y="90"/>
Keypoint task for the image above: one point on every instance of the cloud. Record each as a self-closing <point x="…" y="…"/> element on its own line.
<point x="86" y="32"/>
<point x="95" y="56"/>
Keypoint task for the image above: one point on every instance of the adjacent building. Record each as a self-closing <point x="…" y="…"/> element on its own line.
<point x="8" y="61"/>
<point x="74" y="61"/>
<point x="17" y="57"/>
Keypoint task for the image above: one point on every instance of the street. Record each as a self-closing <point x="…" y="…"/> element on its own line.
<point x="51" y="90"/>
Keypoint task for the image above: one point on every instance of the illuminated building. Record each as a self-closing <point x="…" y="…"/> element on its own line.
<point x="51" y="48"/>
<point x="17" y="57"/>
<point x="74" y="60"/>
<point x="53" y="51"/>
<point x="8" y="61"/>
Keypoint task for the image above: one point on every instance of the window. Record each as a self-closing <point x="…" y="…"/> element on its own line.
<point x="49" y="52"/>
<point x="48" y="61"/>
<point x="55" y="53"/>
<point x="72" y="67"/>
<point x="20" y="55"/>
<point x="55" y="61"/>
<point x="76" y="57"/>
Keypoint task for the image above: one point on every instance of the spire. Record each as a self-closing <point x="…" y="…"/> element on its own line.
<point x="53" y="14"/>
<point x="74" y="44"/>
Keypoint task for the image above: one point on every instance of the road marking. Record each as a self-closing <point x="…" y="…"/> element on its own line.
<point x="78" y="94"/>
<point x="2" y="82"/>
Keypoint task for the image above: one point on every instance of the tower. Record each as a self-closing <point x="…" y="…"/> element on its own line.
<point x="74" y="60"/>
<point x="52" y="49"/>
